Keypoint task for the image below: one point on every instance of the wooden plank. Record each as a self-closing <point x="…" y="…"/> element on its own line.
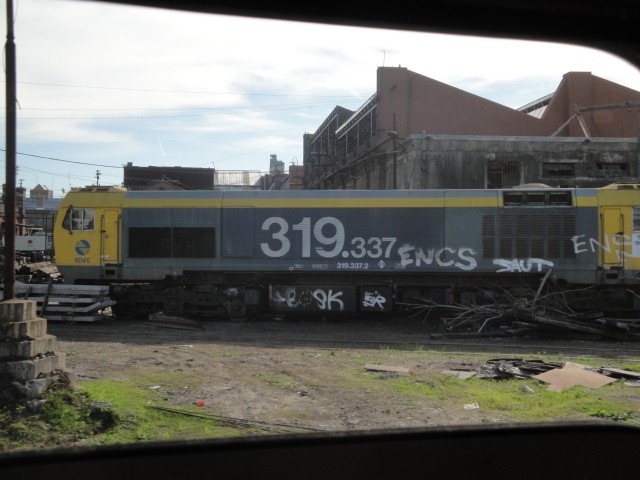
<point x="386" y="368"/>
<point x="622" y="373"/>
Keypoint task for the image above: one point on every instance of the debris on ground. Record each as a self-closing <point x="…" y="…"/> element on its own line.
<point x="170" y="321"/>
<point x="558" y="376"/>
<point x="572" y="374"/>
<point x="529" y="314"/>
<point x="386" y="369"/>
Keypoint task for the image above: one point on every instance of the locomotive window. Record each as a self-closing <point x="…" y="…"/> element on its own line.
<point x="513" y="199"/>
<point x="79" y="219"/>
<point x="537" y="199"/>
<point x="560" y="198"/>
<point x="636" y="220"/>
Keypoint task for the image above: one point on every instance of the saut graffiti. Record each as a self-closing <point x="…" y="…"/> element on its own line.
<point x="524" y="265"/>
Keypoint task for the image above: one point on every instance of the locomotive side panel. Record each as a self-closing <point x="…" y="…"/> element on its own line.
<point x="373" y="240"/>
<point x="160" y="242"/>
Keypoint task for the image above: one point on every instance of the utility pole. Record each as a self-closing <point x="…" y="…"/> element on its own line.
<point x="10" y="192"/>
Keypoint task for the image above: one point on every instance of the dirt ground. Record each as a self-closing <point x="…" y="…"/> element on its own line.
<point x="311" y="375"/>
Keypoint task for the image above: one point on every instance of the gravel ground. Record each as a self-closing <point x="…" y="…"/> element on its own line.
<point x="313" y="375"/>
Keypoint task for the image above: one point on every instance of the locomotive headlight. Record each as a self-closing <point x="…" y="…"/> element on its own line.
<point x="231" y="292"/>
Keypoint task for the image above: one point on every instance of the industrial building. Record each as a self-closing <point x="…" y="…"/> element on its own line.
<point x="416" y="132"/>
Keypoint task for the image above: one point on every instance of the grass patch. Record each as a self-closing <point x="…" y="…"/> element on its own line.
<point x="506" y="397"/>
<point x="66" y="418"/>
<point x="132" y="400"/>
<point x="105" y="412"/>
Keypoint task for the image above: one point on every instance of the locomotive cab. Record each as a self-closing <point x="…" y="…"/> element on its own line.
<point x="88" y="229"/>
<point x="619" y="243"/>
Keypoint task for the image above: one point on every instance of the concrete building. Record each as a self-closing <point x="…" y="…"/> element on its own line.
<point x="416" y="132"/>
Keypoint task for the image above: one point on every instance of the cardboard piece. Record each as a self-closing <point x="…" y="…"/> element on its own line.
<point x="573" y="374"/>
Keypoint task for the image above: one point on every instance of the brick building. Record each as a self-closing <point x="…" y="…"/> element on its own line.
<point x="415" y="131"/>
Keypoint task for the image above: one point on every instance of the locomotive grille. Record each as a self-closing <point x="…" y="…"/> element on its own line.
<point x="537" y="234"/>
<point x="528" y="235"/>
<point x="177" y="242"/>
<point x="506" y="235"/>
<point x="488" y="236"/>
<point x="569" y="225"/>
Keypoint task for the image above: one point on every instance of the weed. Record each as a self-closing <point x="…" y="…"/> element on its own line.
<point x="64" y="419"/>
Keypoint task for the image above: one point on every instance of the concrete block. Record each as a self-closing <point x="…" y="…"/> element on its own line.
<point x="26" y="329"/>
<point x="15" y="310"/>
<point x="33" y="368"/>
<point x="38" y="387"/>
<point x="27" y="348"/>
<point x="34" y="388"/>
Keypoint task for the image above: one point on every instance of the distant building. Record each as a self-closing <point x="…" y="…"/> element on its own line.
<point x="40" y="194"/>
<point x="237" y="180"/>
<point x="168" y="178"/>
<point x="42" y="215"/>
<point x="296" y="177"/>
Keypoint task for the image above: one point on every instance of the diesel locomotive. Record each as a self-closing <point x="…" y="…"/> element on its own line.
<point x="206" y="253"/>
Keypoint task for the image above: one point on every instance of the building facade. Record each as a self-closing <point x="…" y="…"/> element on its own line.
<point x="416" y="132"/>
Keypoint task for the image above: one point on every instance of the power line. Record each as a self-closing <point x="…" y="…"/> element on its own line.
<point x="300" y="105"/>
<point x="62" y="160"/>
<point x="98" y="87"/>
<point x="138" y="117"/>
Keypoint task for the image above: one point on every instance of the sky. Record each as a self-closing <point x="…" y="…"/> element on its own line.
<point x="99" y="85"/>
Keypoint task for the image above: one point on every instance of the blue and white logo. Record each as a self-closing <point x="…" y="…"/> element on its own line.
<point x="83" y="247"/>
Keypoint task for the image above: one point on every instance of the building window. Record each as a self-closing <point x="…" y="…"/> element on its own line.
<point x="611" y="169"/>
<point x="558" y="169"/>
<point x="502" y="174"/>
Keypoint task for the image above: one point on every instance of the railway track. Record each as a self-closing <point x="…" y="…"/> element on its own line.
<point x="358" y="334"/>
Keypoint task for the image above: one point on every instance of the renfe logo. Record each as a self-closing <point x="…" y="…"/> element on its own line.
<point x="82" y="247"/>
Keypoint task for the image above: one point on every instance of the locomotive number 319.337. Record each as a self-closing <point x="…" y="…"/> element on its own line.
<point x="329" y="236"/>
